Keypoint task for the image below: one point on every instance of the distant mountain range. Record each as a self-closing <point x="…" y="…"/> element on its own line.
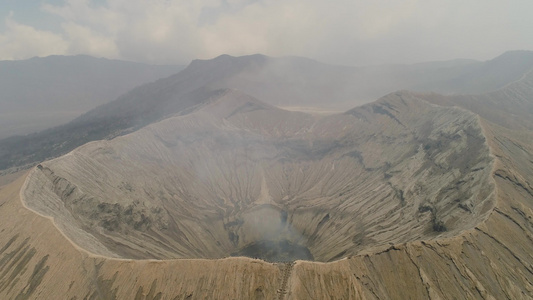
<point x="39" y="93"/>
<point x="285" y="82"/>
<point x="296" y="81"/>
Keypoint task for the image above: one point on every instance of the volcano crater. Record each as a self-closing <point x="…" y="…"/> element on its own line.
<point x="272" y="184"/>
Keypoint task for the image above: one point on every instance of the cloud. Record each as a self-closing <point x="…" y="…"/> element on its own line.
<point x="82" y="39"/>
<point x="20" y="41"/>
<point x="345" y="31"/>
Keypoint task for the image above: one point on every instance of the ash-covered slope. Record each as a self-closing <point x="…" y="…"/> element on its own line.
<point x="39" y="93"/>
<point x="239" y="174"/>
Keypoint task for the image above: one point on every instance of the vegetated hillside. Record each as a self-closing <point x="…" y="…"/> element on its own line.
<point x="289" y="81"/>
<point x="481" y="250"/>
<point x="44" y="92"/>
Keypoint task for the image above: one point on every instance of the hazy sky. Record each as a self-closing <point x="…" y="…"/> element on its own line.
<point x="342" y="31"/>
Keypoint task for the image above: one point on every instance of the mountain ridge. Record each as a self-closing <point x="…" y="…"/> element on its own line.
<point x="39" y="93"/>
<point x="287" y="81"/>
